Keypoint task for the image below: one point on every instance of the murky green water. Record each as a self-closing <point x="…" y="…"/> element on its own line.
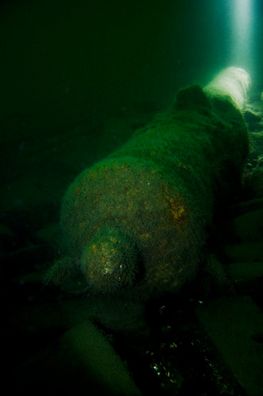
<point x="77" y="79"/>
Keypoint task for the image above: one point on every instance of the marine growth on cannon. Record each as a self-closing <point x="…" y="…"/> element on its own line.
<point x="136" y="221"/>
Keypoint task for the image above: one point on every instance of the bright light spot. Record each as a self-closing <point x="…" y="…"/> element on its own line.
<point x="233" y="82"/>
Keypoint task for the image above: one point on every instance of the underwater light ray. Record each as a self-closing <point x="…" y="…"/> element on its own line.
<point x="242" y="44"/>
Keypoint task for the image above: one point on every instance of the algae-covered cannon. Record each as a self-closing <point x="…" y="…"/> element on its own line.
<point x="137" y="220"/>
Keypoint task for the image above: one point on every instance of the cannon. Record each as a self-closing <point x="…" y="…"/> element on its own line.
<point x="136" y="222"/>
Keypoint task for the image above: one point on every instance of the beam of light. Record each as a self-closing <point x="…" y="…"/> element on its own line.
<point x="242" y="33"/>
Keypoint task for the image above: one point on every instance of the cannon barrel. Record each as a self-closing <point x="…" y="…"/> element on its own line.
<point x="136" y="222"/>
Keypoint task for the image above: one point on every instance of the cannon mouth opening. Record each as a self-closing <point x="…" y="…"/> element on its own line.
<point x="233" y="82"/>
